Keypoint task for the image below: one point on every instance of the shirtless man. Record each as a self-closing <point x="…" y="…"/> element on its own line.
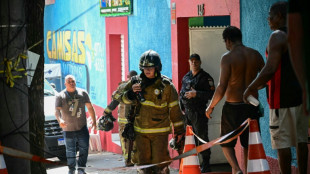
<point x="239" y="67"/>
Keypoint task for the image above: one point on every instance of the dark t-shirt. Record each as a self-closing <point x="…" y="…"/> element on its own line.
<point x="73" y="108"/>
<point x="203" y="83"/>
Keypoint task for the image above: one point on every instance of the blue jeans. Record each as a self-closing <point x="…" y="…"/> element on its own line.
<point x="80" y="137"/>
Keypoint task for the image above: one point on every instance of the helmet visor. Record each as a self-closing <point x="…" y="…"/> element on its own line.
<point x="147" y="67"/>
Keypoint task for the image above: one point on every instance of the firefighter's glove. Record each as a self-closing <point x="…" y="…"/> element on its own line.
<point x="105" y="123"/>
<point x="129" y="132"/>
<point x="177" y="141"/>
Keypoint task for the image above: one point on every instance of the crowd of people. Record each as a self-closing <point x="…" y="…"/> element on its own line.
<point x="150" y="106"/>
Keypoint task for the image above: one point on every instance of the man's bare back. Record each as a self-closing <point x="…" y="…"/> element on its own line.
<point x="238" y="68"/>
<point x="244" y="64"/>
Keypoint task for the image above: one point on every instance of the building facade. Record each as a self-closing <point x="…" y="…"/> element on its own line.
<point x="100" y="49"/>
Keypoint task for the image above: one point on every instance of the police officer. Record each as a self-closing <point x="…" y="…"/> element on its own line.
<point x="123" y="111"/>
<point x="158" y="108"/>
<point x="197" y="89"/>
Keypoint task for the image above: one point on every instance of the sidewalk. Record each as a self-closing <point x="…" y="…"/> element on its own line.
<point x="103" y="160"/>
<point x="108" y="160"/>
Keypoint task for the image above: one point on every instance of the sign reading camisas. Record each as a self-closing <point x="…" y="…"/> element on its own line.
<point x="68" y="45"/>
<point x="115" y="7"/>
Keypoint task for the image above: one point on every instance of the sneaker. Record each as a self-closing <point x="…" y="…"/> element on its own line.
<point x="81" y="171"/>
<point x="71" y="172"/>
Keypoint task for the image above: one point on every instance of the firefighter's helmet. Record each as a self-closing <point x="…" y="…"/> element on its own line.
<point x="150" y="58"/>
<point x="105" y="123"/>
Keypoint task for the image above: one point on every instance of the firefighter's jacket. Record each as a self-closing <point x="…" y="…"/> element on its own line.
<point x="159" y="111"/>
<point x="123" y="109"/>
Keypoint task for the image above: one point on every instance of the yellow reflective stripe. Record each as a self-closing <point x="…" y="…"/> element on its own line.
<point x="107" y="110"/>
<point x="174" y="103"/>
<point x="125" y="100"/>
<point x="149" y="103"/>
<point x="154" y="130"/>
<point x="180" y="123"/>
<point x="122" y="120"/>
<point x="116" y="96"/>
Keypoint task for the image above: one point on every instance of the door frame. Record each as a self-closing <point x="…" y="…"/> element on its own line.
<point x="116" y="29"/>
<point x="184" y="10"/>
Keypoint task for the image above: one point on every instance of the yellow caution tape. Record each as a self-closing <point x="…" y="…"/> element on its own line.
<point x="10" y="66"/>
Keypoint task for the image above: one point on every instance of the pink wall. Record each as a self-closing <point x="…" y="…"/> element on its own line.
<point x="179" y="31"/>
<point x="185" y="8"/>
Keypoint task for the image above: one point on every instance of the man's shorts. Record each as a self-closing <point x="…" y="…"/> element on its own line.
<point x="288" y="127"/>
<point x="233" y="115"/>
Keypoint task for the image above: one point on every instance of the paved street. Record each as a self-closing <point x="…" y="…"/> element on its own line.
<point x="100" y="163"/>
<point x="96" y="161"/>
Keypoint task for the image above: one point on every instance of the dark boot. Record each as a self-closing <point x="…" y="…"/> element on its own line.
<point x="161" y="170"/>
<point x="128" y="163"/>
<point x="205" y="166"/>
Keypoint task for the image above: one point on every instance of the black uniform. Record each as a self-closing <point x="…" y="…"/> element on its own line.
<point x="195" y="108"/>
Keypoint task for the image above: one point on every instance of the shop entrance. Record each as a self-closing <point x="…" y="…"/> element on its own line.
<point x="208" y="43"/>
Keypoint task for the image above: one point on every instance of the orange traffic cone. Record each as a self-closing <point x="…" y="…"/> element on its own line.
<point x="3" y="169"/>
<point x="190" y="163"/>
<point x="257" y="162"/>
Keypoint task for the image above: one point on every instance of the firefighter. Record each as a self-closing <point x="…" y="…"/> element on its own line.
<point x="123" y="111"/>
<point x="157" y="101"/>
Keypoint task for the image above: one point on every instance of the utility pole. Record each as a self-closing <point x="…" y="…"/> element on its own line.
<point x="14" y="117"/>
<point x="35" y="25"/>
